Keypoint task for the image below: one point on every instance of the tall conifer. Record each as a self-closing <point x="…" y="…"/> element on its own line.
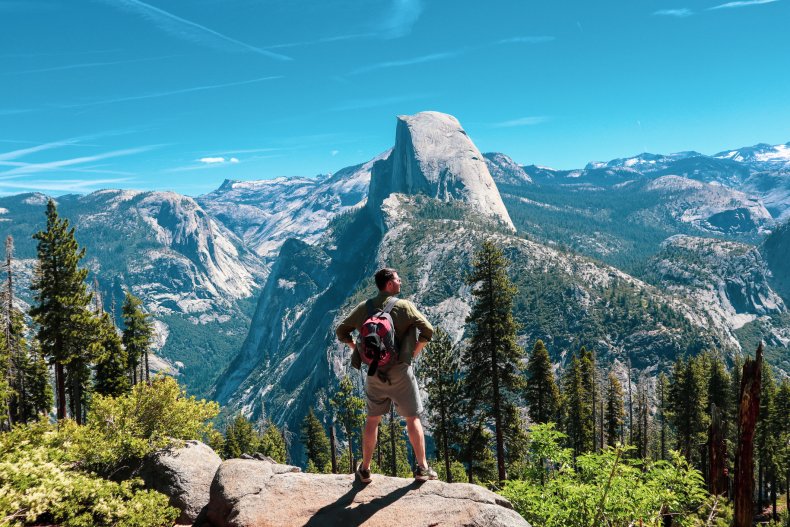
<point x="542" y="394"/>
<point x="111" y="363"/>
<point x="316" y="443"/>
<point x="61" y="311"/>
<point x="439" y="368"/>
<point x="615" y="411"/>
<point x="492" y="360"/>
<point x="138" y="331"/>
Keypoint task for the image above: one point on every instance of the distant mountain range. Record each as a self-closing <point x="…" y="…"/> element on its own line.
<point x="640" y="259"/>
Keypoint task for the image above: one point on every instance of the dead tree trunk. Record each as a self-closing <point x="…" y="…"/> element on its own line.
<point x="333" y="446"/>
<point x="748" y="412"/>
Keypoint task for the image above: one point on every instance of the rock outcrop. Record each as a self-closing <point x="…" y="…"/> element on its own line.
<point x="184" y="475"/>
<point x="434" y="156"/>
<point x="252" y="493"/>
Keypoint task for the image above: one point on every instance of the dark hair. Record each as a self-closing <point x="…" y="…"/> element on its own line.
<point x="383" y="276"/>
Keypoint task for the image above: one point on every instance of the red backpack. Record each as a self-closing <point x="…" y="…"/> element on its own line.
<point x="376" y="341"/>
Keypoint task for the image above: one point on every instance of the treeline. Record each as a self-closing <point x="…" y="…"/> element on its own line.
<point x="74" y="335"/>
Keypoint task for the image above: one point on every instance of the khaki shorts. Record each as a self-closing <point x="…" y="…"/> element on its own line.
<point x="401" y="389"/>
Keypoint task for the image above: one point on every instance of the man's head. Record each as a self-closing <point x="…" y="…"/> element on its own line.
<point x="387" y="280"/>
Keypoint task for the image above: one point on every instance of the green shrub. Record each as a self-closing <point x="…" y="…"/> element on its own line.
<point x="38" y="484"/>
<point x="122" y="430"/>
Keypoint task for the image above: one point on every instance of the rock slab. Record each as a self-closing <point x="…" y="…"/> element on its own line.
<point x="253" y="493"/>
<point x="184" y="475"/>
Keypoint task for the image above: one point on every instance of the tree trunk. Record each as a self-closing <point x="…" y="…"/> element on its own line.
<point x="760" y="486"/>
<point x="147" y="369"/>
<point x="393" y="459"/>
<point x="333" y="447"/>
<point x="748" y="412"/>
<point x="60" y="383"/>
<point x="773" y="497"/>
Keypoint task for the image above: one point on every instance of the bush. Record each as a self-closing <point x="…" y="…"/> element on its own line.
<point x="120" y="431"/>
<point x="39" y="485"/>
<point x="607" y="489"/>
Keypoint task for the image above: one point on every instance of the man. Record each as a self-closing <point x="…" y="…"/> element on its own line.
<point x="397" y="383"/>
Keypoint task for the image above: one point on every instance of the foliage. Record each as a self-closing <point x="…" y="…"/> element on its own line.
<point x="492" y="360"/>
<point x="577" y="405"/>
<point x="606" y="489"/>
<point x="349" y="409"/>
<point x="439" y="370"/>
<point x="39" y="484"/>
<point x="392" y="439"/>
<point x="111" y="362"/>
<point x="122" y="430"/>
<point x="316" y="442"/>
<point x="61" y="309"/>
<point x="614" y="411"/>
<point x="542" y="394"/>
<point x="137" y="333"/>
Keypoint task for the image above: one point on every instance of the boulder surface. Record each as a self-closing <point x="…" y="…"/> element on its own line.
<point x="253" y="493"/>
<point x="184" y="475"/>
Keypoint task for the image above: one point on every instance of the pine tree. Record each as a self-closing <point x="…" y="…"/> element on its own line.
<point x="480" y="463"/>
<point x="316" y="443"/>
<point x="271" y="442"/>
<point x="392" y="457"/>
<point x="440" y="368"/>
<point x="542" y="394"/>
<point x="492" y="360"/>
<point x="111" y="364"/>
<point x="577" y="408"/>
<point x="137" y="333"/>
<point x="642" y="422"/>
<point x="31" y="393"/>
<point x="688" y="404"/>
<point x="240" y="438"/>
<point x="61" y="309"/>
<point x="615" y="411"/>
<point x="782" y="419"/>
<point x="764" y="442"/>
<point x="662" y="391"/>
<point x="350" y="412"/>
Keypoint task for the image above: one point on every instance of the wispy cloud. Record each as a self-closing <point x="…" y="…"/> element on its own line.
<point x="15" y="154"/>
<point x="745" y="3"/>
<point x="89" y="65"/>
<point x="433" y="57"/>
<point x="34" y="168"/>
<point x="521" y="121"/>
<point x="188" y="30"/>
<point x="363" y="104"/>
<point x="400" y="18"/>
<point x="678" y="13"/>
<point x="325" y="40"/>
<point x="407" y="62"/>
<point x="168" y="93"/>
<point x="65" y="185"/>
<point x="526" y="40"/>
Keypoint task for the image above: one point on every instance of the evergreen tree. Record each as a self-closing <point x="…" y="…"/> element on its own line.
<point x="688" y="404"/>
<point x="350" y="412"/>
<point x="542" y="394"/>
<point x="61" y="309"/>
<point x="392" y="457"/>
<point x="138" y="331"/>
<point x="662" y="392"/>
<point x="577" y="408"/>
<point x="642" y="422"/>
<point x="493" y="358"/>
<point x="31" y="393"/>
<point x="764" y="440"/>
<point x="440" y="369"/>
<point x="316" y="443"/>
<point x="111" y="364"/>
<point x="271" y="442"/>
<point x="480" y="463"/>
<point x="240" y="438"/>
<point x="782" y="419"/>
<point x="615" y="411"/>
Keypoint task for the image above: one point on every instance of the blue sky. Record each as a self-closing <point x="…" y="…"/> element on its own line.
<point x="182" y="94"/>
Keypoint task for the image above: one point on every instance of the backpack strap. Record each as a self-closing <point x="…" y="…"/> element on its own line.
<point x="369" y="306"/>
<point x="390" y="304"/>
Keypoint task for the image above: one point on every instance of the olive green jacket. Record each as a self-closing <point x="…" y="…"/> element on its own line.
<point x="410" y="325"/>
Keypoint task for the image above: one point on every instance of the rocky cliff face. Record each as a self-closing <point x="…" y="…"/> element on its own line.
<point x="776" y="251"/>
<point x="267" y="212"/>
<point x="193" y="274"/>
<point x="434" y="156"/>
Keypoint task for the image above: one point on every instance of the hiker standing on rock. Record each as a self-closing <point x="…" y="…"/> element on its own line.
<point x="392" y="332"/>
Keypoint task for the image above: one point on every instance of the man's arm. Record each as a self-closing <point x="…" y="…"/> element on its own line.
<point x="348" y="326"/>
<point x="425" y="328"/>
